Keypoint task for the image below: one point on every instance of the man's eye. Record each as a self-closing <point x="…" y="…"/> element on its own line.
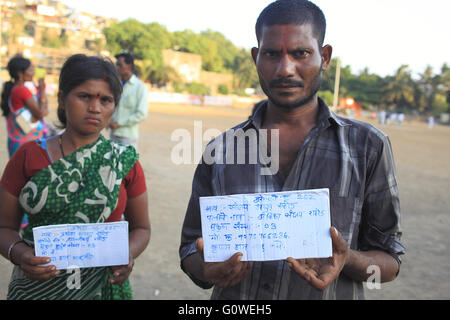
<point x="300" y="53"/>
<point x="270" y="53"/>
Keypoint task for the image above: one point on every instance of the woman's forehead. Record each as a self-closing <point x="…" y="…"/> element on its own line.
<point x="95" y="87"/>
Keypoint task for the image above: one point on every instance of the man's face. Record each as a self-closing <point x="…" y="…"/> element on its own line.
<point x="123" y="68"/>
<point x="289" y="63"/>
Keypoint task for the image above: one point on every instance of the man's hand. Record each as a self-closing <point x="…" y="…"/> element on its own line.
<point x="227" y="273"/>
<point x="321" y="272"/>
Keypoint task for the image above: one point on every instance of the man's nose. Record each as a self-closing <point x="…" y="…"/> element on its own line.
<point x="286" y="67"/>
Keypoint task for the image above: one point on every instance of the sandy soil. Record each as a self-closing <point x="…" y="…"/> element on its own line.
<point x="423" y="170"/>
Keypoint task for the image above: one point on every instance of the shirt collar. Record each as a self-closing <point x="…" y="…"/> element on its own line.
<point x="325" y="115"/>
<point x="132" y="79"/>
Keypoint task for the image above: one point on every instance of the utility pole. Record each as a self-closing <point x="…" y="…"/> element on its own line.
<point x="336" y="85"/>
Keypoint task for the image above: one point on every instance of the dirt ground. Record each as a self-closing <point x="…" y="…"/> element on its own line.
<point x="423" y="170"/>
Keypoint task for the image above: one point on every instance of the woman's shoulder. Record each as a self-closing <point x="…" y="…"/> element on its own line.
<point x="20" y="91"/>
<point x="134" y="181"/>
<point x="34" y="151"/>
<point x="19" y="94"/>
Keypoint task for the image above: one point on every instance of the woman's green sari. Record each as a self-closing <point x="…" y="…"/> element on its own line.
<point x="82" y="187"/>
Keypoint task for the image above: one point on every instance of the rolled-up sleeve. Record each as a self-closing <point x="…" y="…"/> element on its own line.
<point x="380" y="227"/>
<point x="192" y="227"/>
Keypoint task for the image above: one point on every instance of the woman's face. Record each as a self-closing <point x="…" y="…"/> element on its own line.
<point x="28" y="74"/>
<point x="89" y="107"/>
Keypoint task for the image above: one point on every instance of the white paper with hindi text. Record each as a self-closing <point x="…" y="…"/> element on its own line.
<point x="83" y="245"/>
<point x="267" y="226"/>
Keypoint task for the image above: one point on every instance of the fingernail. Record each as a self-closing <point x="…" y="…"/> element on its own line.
<point x="116" y="274"/>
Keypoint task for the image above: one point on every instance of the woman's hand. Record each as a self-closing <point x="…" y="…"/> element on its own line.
<point x="32" y="266"/>
<point x="121" y="273"/>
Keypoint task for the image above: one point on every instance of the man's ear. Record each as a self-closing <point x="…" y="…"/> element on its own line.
<point x="327" y="51"/>
<point x="255" y="54"/>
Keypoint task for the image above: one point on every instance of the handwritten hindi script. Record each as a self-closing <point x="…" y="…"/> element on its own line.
<point x="267" y="226"/>
<point x="83" y="245"/>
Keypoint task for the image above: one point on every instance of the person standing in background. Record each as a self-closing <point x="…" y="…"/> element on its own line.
<point x="132" y="108"/>
<point x="24" y="110"/>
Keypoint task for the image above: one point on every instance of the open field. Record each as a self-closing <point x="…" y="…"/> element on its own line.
<point x="423" y="170"/>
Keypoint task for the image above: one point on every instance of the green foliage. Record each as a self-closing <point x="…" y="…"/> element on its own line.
<point x="144" y="41"/>
<point x="244" y="70"/>
<point x="399" y="92"/>
<point x="327" y="96"/>
<point x="223" y="89"/>
<point x="197" y="89"/>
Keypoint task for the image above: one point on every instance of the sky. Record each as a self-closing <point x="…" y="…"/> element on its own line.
<point x="378" y="34"/>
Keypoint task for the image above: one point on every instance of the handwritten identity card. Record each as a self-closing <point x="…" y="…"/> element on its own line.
<point x="267" y="226"/>
<point x="83" y="245"/>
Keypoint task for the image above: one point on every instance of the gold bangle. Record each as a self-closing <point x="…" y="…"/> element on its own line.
<point x="10" y="250"/>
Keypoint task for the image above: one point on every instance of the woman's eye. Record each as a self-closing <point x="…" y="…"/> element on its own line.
<point x="107" y="100"/>
<point x="84" y="96"/>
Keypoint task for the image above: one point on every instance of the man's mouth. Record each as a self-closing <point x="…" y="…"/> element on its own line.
<point x="286" y="84"/>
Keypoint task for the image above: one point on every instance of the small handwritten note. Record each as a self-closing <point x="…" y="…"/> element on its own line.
<point x="83" y="245"/>
<point x="267" y="226"/>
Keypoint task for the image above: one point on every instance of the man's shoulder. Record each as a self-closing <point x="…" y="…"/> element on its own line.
<point x="136" y="81"/>
<point x="362" y="127"/>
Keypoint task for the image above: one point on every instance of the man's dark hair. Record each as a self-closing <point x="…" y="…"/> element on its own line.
<point x="298" y="12"/>
<point x="127" y="57"/>
<point x="80" y="68"/>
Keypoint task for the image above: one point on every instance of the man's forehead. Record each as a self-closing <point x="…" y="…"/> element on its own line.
<point x="286" y="32"/>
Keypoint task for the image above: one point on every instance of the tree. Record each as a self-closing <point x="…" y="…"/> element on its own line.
<point x="366" y="88"/>
<point x="144" y="41"/>
<point x="244" y="70"/>
<point x="328" y="78"/>
<point x="144" y="69"/>
<point x="227" y="52"/>
<point x="207" y="48"/>
<point x="399" y="89"/>
<point x="163" y="75"/>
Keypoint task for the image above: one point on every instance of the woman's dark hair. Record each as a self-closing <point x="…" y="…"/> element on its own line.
<point x="297" y="12"/>
<point x="80" y="68"/>
<point x="16" y="65"/>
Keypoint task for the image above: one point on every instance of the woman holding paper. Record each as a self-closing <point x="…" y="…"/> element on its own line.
<point x="76" y="177"/>
<point x="24" y="110"/>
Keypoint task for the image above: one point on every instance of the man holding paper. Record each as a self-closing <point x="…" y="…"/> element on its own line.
<point x="317" y="149"/>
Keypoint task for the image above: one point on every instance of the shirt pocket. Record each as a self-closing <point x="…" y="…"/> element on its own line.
<point x="346" y="217"/>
